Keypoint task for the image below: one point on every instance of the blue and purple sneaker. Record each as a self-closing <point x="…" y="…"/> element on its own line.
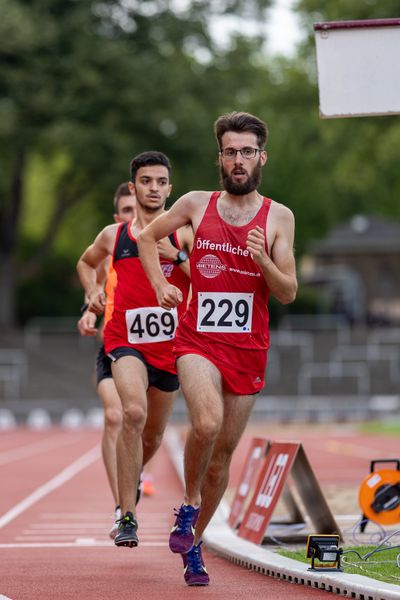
<point x="181" y="538"/>
<point x="195" y="572"/>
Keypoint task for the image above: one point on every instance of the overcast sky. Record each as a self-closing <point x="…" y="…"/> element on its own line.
<point x="281" y="28"/>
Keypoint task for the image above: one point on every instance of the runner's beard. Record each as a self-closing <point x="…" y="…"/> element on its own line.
<point x="241" y="189"/>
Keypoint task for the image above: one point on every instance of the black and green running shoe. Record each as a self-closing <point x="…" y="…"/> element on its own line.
<point x="127" y="531"/>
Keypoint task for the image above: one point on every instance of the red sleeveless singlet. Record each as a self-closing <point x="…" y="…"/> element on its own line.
<point x="137" y="320"/>
<point x="227" y="319"/>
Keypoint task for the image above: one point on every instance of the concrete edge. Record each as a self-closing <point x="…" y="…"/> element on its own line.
<point x="220" y="538"/>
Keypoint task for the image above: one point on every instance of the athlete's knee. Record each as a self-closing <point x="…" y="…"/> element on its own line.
<point x="134" y="417"/>
<point x="113" y="419"/>
<point x="207" y="429"/>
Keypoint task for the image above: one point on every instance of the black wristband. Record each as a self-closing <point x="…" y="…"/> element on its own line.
<point x="84" y="307"/>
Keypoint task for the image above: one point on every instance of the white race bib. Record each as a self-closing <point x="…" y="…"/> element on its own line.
<point x="224" y="312"/>
<point x="150" y="324"/>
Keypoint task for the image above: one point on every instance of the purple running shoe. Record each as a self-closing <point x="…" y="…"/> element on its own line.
<point x="195" y="572"/>
<point x="181" y="538"/>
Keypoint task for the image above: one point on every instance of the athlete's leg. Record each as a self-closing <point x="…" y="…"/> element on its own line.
<point x="130" y="376"/>
<point x="236" y="413"/>
<point x="159" y="407"/>
<point x="112" y="425"/>
<point x="202" y="388"/>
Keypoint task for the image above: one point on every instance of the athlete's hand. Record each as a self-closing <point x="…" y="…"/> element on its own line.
<point x="166" y="249"/>
<point x="256" y="245"/>
<point x="168" y="296"/>
<point x="97" y="302"/>
<point x="87" y="324"/>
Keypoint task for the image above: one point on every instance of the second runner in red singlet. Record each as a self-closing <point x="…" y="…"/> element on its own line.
<point x="227" y="321"/>
<point x="137" y="321"/>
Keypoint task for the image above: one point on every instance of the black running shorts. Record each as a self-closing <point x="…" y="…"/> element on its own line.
<point x="103" y="366"/>
<point x="162" y="380"/>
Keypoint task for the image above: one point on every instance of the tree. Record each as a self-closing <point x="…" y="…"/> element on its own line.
<point x="93" y="83"/>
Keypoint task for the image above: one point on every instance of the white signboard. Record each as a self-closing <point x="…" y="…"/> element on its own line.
<point x="358" y="67"/>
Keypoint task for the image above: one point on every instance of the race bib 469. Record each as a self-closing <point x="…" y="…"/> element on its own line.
<point x="150" y="324"/>
<point x="224" y="312"/>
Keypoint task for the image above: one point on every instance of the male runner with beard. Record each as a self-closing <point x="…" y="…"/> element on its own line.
<point x="138" y="337"/>
<point x="242" y="252"/>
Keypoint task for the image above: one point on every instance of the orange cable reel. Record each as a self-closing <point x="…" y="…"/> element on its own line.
<point x="379" y="495"/>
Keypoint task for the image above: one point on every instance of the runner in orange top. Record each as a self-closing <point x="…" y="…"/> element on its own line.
<point x="139" y="335"/>
<point x="243" y="251"/>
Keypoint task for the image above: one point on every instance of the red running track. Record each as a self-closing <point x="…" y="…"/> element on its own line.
<point x="55" y="513"/>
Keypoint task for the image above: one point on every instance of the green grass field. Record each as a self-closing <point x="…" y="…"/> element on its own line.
<point x="381" y="565"/>
<point x="381" y="427"/>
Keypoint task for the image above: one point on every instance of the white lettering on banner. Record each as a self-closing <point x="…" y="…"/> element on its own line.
<point x="254" y="522"/>
<point x="271" y="481"/>
<point x="150" y="324"/>
<point x="224" y="312"/>
<point x="245" y="485"/>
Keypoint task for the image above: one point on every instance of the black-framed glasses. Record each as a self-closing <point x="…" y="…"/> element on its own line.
<point x="247" y="152"/>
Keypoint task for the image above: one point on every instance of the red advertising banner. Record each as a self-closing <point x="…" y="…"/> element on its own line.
<point x="271" y="480"/>
<point x="251" y="468"/>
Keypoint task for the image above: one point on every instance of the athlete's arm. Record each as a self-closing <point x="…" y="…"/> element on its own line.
<point x="168" y="251"/>
<point x="185" y="238"/>
<point x="278" y="269"/>
<point x="102" y="272"/>
<point x="177" y="216"/>
<point x="89" y="268"/>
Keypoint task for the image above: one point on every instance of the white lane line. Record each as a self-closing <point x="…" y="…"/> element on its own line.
<point x="75" y="516"/>
<point x="67" y="534"/>
<point x="60" y="538"/>
<point x="154" y="516"/>
<point x="29" y="450"/>
<point x="71" y="538"/>
<point x="65" y="475"/>
<point x="99" y="523"/>
<point x="76" y="545"/>
<point x="64" y="532"/>
<point x="69" y="526"/>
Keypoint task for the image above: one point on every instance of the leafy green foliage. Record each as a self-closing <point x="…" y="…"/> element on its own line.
<point x="84" y="86"/>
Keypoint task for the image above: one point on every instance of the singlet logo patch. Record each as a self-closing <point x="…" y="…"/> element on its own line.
<point x="210" y="266"/>
<point x="167" y="269"/>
